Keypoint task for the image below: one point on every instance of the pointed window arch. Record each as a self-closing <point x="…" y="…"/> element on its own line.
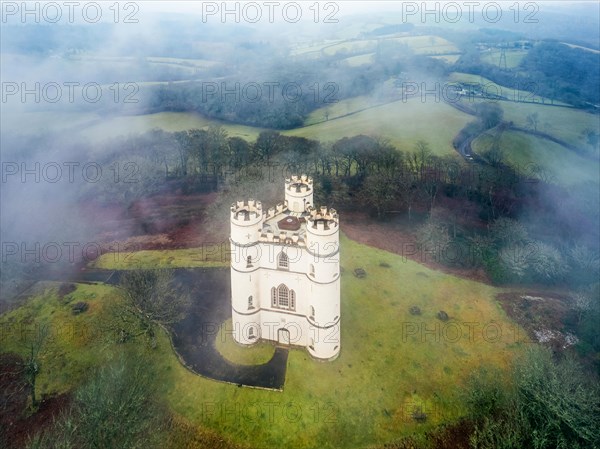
<point x="283" y="297"/>
<point x="283" y="262"/>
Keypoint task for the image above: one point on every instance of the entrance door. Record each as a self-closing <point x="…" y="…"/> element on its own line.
<point x="283" y="336"/>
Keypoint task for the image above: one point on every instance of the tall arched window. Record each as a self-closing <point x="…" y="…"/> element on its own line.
<point x="282" y="261"/>
<point x="283" y="298"/>
<point x="312" y="270"/>
<point x="312" y="313"/>
<point x="250" y="302"/>
<point x="283" y="295"/>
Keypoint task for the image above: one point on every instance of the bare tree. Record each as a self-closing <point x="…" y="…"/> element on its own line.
<point x="533" y="120"/>
<point x="152" y="297"/>
<point x="31" y="364"/>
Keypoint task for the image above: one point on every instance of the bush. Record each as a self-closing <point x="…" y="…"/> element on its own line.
<point x="115" y="408"/>
<point x="550" y="405"/>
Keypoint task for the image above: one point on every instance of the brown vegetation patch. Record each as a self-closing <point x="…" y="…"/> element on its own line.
<point x="548" y="318"/>
<point x="165" y="221"/>
<point x="396" y="237"/>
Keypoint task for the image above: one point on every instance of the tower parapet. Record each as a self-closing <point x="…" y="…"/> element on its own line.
<point x="322" y="231"/>
<point x="322" y="221"/>
<point x="299" y="193"/>
<point x="246" y="221"/>
<point x="246" y="212"/>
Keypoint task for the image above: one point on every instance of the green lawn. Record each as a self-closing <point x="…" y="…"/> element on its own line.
<point x="402" y="123"/>
<point x="256" y="354"/>
<point x="526" y="153"/>
<point x="391" y="361"/>
<point x="210" y="256"/>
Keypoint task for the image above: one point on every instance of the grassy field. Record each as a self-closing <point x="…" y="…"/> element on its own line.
<point x="491" y="88"/>
<point x="96" y="128"/>
<point x="167" y="121"/>
<point x="355" y="61"/>
<point x="199" y="63"/>
<point x="427" y="45"/>
<point x="527" y="152"/>
<point x="342" y="107"/>
<point x="256" y="354"/>
<point x="75" y="343"/>
<point x="450" y="59"/>
<point x="391" y="364"/>
<point x="210" y="256"/>
<point x="351" y="46"/>
<point x="402" y="123"/>
<point x="303" y="49"/>
<point x="513" y="57"/>
<point x="34" y="122"/>
<point x="564" y="123"/>
<point x="421" y="45"/>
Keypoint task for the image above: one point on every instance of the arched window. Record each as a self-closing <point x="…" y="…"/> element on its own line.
<point x="250" y="302"/>
<point x="283" y="297"/>
<point x="282" y="261"/>
<point x="312" y="313"/>
<point x="249" y="262"/>
<point x="251" y="335"/>
<point x="312" y="270"/>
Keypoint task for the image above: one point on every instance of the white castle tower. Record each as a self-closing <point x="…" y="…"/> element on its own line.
<point x="285" y="272"/>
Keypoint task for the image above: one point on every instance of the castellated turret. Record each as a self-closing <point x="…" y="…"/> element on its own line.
<point x="246" y="222"/>
<point x="323" y="244"/>
<point x="285" y="272"/>
<point x="299" y="193"/>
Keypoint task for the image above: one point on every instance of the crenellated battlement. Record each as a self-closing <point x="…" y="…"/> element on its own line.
<point x="274" y="211"/>
<point x="322" y="219"/>
<point x="282" y="237"/>
<point x="246" y="211"/>
<point x="299" y="184"/>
